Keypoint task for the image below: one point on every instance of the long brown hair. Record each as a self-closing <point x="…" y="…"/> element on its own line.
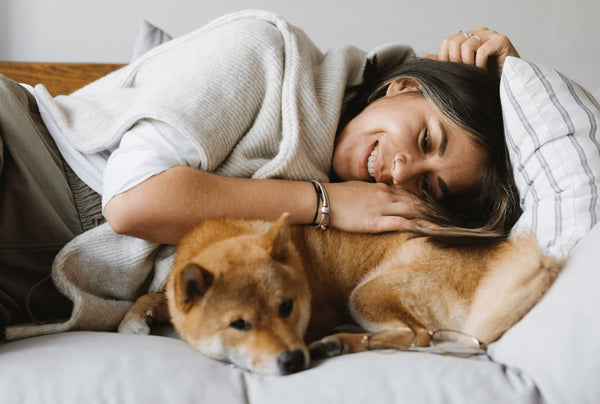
<point x="470" y="98"/>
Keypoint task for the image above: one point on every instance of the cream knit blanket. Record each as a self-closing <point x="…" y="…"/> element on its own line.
<point x="257" y="99"/>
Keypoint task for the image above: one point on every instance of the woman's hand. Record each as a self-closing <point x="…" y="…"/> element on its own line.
<point x="481" y="47"/>
<point x="371" y="207"/>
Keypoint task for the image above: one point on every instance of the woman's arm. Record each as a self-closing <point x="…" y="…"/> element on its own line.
<point x="166" y="206"/>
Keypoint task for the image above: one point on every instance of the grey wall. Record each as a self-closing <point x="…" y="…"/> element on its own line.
<point x="564" y="34"/>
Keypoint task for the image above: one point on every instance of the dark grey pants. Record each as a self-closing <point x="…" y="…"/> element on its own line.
<point x="43" y="205"/>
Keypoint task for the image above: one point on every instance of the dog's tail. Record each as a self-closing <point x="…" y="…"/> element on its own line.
<point x="520" y="274"/>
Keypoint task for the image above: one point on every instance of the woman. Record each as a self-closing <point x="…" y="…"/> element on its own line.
<point x="354" y="206"/>
<point x="400" y="149"/>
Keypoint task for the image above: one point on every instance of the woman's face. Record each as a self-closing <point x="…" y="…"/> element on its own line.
<point x="402" y="139"/>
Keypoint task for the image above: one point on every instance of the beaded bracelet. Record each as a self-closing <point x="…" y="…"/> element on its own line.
<point x="323" y="201"/>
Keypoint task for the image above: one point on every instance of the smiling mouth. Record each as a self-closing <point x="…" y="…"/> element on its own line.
<point x="371" y="160"/>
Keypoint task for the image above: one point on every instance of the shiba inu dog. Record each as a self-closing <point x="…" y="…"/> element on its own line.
<point x="255" y="293"/>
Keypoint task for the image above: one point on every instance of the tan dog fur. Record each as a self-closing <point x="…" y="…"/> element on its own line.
<point x="232" y="282"/>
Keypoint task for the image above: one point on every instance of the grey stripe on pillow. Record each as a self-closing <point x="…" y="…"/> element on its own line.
<point x="581" y="154"/>
<point x="542" y="160"/>
<point x="571" y="128"/>
<point x="592" y="99"/>
<point x="580" y="151"/>
<point x="521" y="170"/>
<point x="593" y="122"/>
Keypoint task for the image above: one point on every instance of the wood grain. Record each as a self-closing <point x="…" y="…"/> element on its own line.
<point x="59" y="78"/>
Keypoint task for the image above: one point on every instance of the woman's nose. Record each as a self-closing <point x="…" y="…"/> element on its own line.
<point x="404" y="172"/>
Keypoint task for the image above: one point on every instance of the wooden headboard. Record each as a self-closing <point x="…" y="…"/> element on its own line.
<point x="59" y="78"/>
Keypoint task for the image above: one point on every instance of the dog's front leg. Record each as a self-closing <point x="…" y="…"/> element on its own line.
<point x="342" y="343"/>
<point x="376" y="305"/>
<point x="149" y="309"/>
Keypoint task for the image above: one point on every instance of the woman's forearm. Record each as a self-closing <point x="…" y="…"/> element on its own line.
<point x="166" y="206"/>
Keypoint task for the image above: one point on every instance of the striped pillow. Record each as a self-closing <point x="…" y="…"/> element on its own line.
<point x="551" y="127"/>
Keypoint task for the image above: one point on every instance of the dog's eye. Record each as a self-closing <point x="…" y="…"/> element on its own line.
<point x="285" y="308"/>
<point x="240" y="324"/>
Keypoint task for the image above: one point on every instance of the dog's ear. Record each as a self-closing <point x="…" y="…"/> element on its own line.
<point x="191" y="283"/>
<point x="276" y="239"/>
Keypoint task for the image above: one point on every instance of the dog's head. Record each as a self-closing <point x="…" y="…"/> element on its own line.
<point x="242" y="299"/>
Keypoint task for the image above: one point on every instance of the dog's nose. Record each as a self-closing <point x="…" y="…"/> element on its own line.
<point x="291" y="361"/>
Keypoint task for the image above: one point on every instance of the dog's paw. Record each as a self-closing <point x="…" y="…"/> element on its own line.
<point x="339" y="344"/>
<point x="135" y="324"/>
<point x="325" y="348"/>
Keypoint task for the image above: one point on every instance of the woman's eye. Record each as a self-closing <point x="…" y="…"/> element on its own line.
<point x="425" y="141"/>
<point x="425" y="187"/>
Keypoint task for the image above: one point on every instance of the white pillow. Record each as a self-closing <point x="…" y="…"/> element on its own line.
<point x="551" y="125"/>
<point x="148" y="37"/>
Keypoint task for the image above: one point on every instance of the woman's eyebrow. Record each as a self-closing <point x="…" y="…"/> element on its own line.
<point x="443" y="142"/>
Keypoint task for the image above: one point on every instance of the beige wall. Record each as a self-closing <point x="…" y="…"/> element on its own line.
<point x="564" y="34"/>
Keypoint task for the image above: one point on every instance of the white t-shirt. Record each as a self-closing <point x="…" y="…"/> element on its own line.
<point x="148" y="148"/>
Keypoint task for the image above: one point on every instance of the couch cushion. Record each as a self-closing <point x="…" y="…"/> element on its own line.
<point x="558" y="342"/>
<point x="100" y="367"/>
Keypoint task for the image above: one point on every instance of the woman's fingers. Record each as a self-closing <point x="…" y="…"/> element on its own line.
<point x="468" y="50"/>
<point x="481" y="47"/>
<point x="372" y="208"/>
<point x="493" y="53"/>
<point x="394" y="223"/>
<point x="403" y="203"/>
<point x="462" y="46"/>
